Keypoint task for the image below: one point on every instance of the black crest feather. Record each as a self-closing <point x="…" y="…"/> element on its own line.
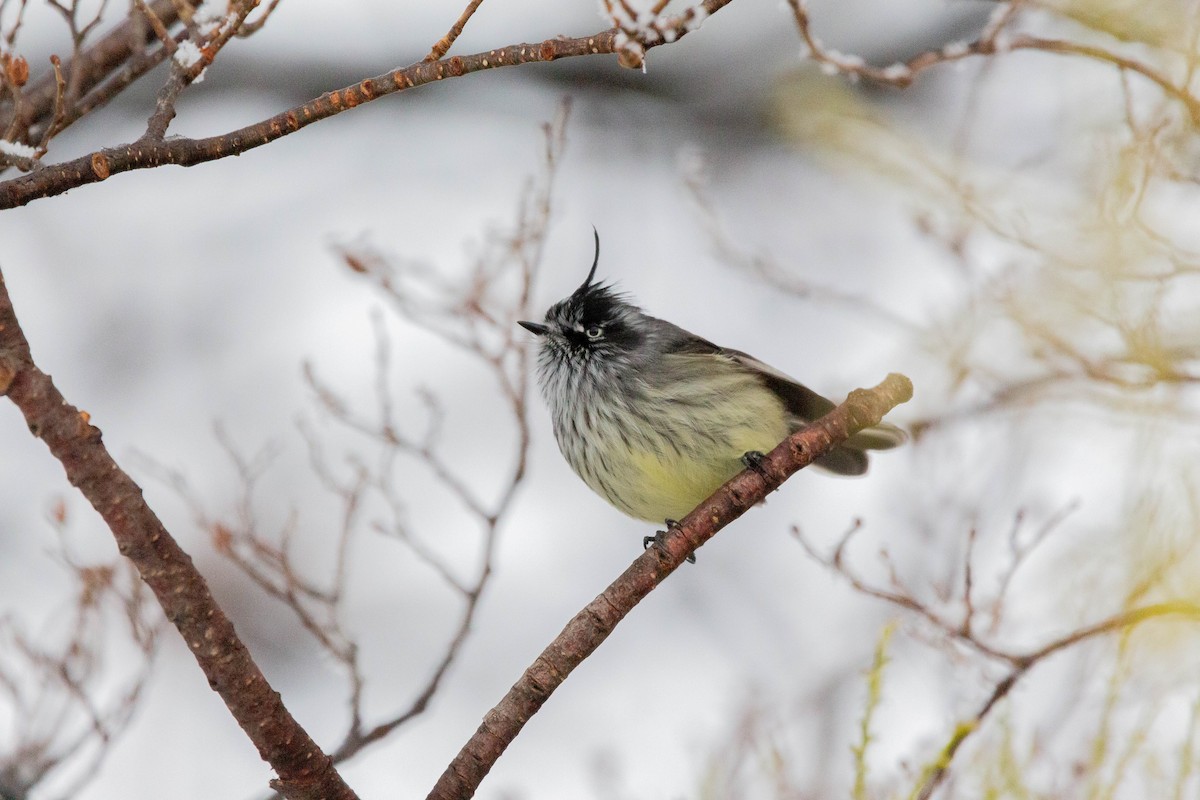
<point x="595" y="261"/>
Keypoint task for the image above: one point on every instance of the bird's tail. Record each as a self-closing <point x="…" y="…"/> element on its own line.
<point x="883" y="436"/>
<point x="848" y="458"/>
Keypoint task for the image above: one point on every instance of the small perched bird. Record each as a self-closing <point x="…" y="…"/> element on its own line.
<point x="654" y="418"/>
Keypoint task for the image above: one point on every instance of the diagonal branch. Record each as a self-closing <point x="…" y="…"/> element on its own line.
<point x="305" y="772"/>
<point x="936" y="773"/>
<point x="591" y="626"/>
<point x="443" y="45"/>
<point x="56" y="179"/>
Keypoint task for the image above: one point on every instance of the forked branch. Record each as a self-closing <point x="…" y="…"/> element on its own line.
<point x="151" y="151"/>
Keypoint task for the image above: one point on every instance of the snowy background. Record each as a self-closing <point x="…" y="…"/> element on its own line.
<point x="165" y="301"/>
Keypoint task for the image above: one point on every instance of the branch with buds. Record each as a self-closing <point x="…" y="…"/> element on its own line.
<point x="153" y="149"/>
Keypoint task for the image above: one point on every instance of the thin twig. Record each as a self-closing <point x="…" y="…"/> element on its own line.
<point x="731" y="248"/>
<point x="100" y="70"/>
<point x="62" y="717"/>
<point x="936" y="773"/>
<point x="1019" y="662"/>
<point x="156" y="25"/>
<point x="250" y="27"/>
<point x="184" y="73"/>
<point x="443" y="45"/>
<point x="60" y="108"/>
<point x="489" y="316"/>
<point x="993" y="40"/>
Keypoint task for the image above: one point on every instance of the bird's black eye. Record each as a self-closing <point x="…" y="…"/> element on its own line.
<point x="594" y="332"/>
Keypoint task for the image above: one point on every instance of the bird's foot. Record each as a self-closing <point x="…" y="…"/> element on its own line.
<point x="660" y="536"/>
<point x="753" y="459"/>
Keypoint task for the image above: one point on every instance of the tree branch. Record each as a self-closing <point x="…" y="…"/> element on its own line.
<point x="58" y="178"/>
<point x="443" y="45"/>
<point x="1019" y="662"/>
<point x="934" y="774"/>
<point x="93" y="65"/>
<point x="993" y="40"/>
<point x="305" y="772"/>
<point x="591" y="626"/>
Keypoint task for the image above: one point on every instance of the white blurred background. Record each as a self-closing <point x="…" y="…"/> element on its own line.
<point x="168" y="301"/>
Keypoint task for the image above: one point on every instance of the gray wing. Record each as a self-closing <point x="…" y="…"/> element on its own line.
<point x="801" y="402"/>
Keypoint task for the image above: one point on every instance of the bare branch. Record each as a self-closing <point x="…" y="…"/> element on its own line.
<point x="60" y="108"/>
<point x="479" y="317"/>
<point x="203" y="49"/>
<point x="446" y="42"/>
<point x="965" y="632"/>
<point x="591" y="626"/>
<point x="936" y="773"/>
<point x="251" y="27"/>
<point x="156" y="25"/>
<point x="10" y="36"/>
<point x="97" y="73"/>
<point x="993" y="40"/>
<point x="60" y="724"/>
<point x="304" y="771"/>
<point x="146" y="153"/>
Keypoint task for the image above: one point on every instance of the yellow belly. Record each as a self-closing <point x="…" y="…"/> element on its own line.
<point x="659" y="489"/>
<point x="670" y="466"/>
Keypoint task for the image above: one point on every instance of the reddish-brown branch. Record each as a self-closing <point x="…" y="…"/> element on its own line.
<point x="156" y="24"/>
<point x="304" y="771"/>
<point x="93" y="66"/>
<point x="58" y="178"/>
<point x="181" y="77"/>
<point x="251" y="27"/>
<point x="592" y="625"/>
<point x="60" y="108"/>
<point x="117" y="82"/>
<point x="444" y="44"/>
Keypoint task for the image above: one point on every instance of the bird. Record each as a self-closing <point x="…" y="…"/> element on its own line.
<point x="655" y="418"/>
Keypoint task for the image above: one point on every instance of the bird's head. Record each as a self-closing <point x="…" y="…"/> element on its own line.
<point x="594" y="320"/>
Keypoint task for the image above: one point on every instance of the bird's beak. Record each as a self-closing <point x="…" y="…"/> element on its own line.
<point x="534" y="327"/>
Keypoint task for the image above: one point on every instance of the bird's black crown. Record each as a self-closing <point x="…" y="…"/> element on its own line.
<point x="596" y="314"/>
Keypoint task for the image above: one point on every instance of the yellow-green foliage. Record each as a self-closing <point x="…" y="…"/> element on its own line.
<point x="874" y="698"/>
<point x="1168" y="24"/>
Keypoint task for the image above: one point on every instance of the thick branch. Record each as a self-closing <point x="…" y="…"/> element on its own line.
<point x="592" y="625"/>
<point x="58" y="178"/>
<point x="305" y="772"/>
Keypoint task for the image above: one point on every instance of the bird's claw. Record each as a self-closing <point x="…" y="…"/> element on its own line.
<point x="660" y="536"/>
<point x="753" y="459"/>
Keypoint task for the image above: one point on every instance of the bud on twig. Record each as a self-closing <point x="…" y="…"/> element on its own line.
<point x="16" y="69"/>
